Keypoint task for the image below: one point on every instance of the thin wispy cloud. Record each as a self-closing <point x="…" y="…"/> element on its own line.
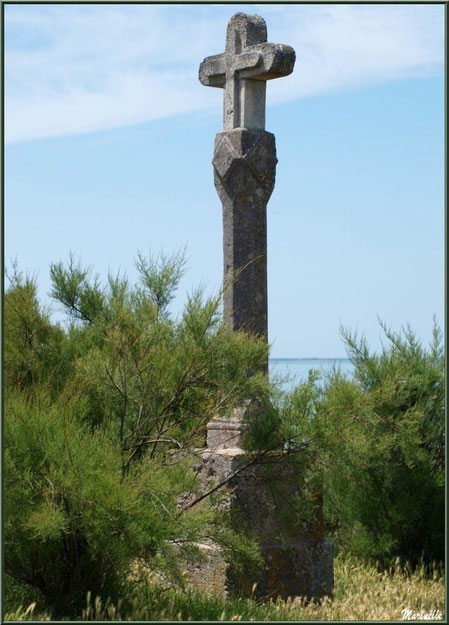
<point x="80" y="68"/>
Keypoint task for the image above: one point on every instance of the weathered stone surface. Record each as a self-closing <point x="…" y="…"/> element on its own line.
<point x="210" y="574"/>
<point x="243" y="69"/>
<point x="261" y="493"/>
<point x="297" y="561"/>
<point x="245" y="163"/>
<point x="226" y="433"/>
<point x="300" y="569"/>
<point x="244" y="174"/>
<point x="251" y="151"/>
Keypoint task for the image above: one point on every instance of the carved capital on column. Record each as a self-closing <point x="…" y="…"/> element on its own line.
<point x="245" y="165"/>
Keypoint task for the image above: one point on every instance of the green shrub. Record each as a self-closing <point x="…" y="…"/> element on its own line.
<point x="96" y="413"/>
<point x="33" y="349"/>
<point x="154" y="381"/>
<point x="73" y="523"/>
<point x="92" y="427"/>
<point x="378" y="447"/>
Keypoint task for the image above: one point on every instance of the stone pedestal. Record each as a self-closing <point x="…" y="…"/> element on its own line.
<point x="225" y="433"/>
<point x="297" y="561"/>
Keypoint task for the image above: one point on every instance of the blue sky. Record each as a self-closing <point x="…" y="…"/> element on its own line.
<point x="109" y="138"/>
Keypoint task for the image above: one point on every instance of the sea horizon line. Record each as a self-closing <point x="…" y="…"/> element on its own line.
<point x="309" y="358"/>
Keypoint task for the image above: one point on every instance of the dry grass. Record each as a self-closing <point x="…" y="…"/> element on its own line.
<point x="362" y="593"/>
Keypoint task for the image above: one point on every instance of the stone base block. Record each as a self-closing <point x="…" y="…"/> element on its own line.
<point x="300" y="569"/>
<point x="259" y="495"/>
<point x="226" y="433"/>
<point x="210" y="575"/>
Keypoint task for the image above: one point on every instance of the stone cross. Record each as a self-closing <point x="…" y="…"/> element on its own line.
<point x="244" y="171"/>
<point x="249" y="61"/>
<point x="245" y="163"/>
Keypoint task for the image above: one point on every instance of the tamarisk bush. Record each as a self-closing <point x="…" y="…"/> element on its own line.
<point x="377" y="442"/>
<point x="94" y="413"/>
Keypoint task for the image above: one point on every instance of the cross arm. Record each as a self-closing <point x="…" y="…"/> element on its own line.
<point x="213" y="71"/>
<point x="275" y="60"/>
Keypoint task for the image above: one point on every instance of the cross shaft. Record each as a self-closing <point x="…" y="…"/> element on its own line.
<point x="245" y="164"/>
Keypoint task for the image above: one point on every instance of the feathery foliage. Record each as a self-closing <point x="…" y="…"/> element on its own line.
<point x="94" y="416"/>
<point x="377" y="443"/>
<point x="100" y="416"/>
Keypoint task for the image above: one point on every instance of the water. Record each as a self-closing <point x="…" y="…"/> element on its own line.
<point x="298" y="368"/>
